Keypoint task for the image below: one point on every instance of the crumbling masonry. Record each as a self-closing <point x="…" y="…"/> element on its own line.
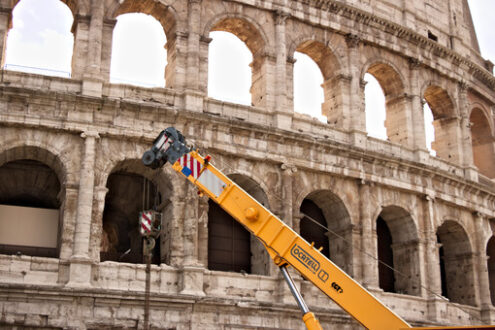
<point x="71" y="148"/>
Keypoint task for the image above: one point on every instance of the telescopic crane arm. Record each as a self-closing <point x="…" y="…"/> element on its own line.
<point x="283" y="244"/>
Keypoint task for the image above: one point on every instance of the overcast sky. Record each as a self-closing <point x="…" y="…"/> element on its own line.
<point x="38" y="42"/>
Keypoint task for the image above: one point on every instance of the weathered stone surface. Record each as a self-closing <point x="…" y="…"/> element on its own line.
<point x="83" y="138"/>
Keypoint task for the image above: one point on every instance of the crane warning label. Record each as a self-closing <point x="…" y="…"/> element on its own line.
<point x="305" y="258"/>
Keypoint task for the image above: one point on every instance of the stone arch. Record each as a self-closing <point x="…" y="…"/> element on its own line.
<point x="39" y="152"/>
<point x="256" y="40"/>
<point x="167" y="16"/>
<point x="482" y="141"/>
<point x="335" y="216"/>
<point x="244" y="27"/>
<point x="132" y="188"/>
<point x="456" y="263"/>
<point x="392" y="83"/>
<point x="445" y="121"/>
<point x="439" y="100"/>
<point x="398" y="247"/>
<point x="230" y="246"/>
<point x="32" y="189"/>
<point x="164" y="14"/>
<point x="388" y="75"/>
<point x="330" y="67"/>
<point x="72" y="6"/>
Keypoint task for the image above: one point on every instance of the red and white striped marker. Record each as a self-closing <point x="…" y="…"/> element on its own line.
<point x="145" y="222"/>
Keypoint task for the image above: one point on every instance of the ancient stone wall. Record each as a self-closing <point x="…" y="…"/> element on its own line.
<point x="89" y="135"/>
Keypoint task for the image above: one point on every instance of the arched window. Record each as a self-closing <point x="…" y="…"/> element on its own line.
<point x="445" y="123"/>
<point x="308" y="93"/>
<point x="456" y="263"/>
<point x="334" y="232"/>
<point x="317" y="84"/>
<point x="398" y="249"/>
<point x="138" y="53"/>
<point x="41" y="40"/>
<point x="483" y="143"/>
<point x="374" y="100"/>
<point x="230" y="245"/>
<point x="230" y="50"/>
<point x="30" y="209"/>
<point x="229" y="72"/>
<point x="395" y="117"/>
<point x="386" y="274"/>
<point x="314" y="232"/>
<point x="128" y="194"/>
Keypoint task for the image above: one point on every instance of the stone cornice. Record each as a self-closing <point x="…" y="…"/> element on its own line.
<point x="402" y="32"/>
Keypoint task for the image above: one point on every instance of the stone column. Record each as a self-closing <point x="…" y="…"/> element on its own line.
<point x="97" y="223"/>
<point x="283" y="114"/>
<point x="263" y="80"/>
<point x="204" y="43"/>
<point x="80" y="268"/>
<point x="191" y="272"/>
<point x="193" y="98"/>
<point x="448" y="139"/>
<point x="417" y="112"/>
<point x="176" y="69"/>
<point x="69" y="209"/>
<point x="470" y="170"/>
<point x="433" y="278"/>
<point x="483" y="280"/>
<point x="203" y="231"/>
<point x="399" y="121"/>
<point x="368" y="239"/>
<point x="106" y="48"/>
<point x="5" y="25"/>
<point x="80" y="29"/>
<point x="288" y="172"/>
<point x="92" y="81"/>
<point x="355" y="116"/>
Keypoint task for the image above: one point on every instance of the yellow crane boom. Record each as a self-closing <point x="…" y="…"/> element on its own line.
<point x="284" y="245"/>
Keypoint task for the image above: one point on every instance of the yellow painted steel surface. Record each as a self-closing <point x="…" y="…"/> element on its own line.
<point x="282" y="242"/>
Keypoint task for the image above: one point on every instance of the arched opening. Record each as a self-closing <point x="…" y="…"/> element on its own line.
<point x="138" y="53"/>
<point x="456" y="263"/>
<point x="37" y="43"/>
<point x="395" y="117"/>
<point x="490" y="253"/>
<point x="483" y="143"/>
<point x="444" y="122"/>
<point x="230" y="245"/>
<point x="333" y="232"/>
<point x="128" y="194"/>
<point x="30" y="209"/>
<point x="229" y="71"/>
<point x="429" y="128"/>
<point x="314" y="230"/>
<point x="251" y="38"/>
<point x="398" y="248"/>
<point x="163" y="57"/>
<point x="324" y="77"/>
<point x="386" y="276"/>
<point x="374" y="101"/>
<point x="308" y="93"/>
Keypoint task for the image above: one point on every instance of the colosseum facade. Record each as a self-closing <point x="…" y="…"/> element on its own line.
<point x="72" y="183"/>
